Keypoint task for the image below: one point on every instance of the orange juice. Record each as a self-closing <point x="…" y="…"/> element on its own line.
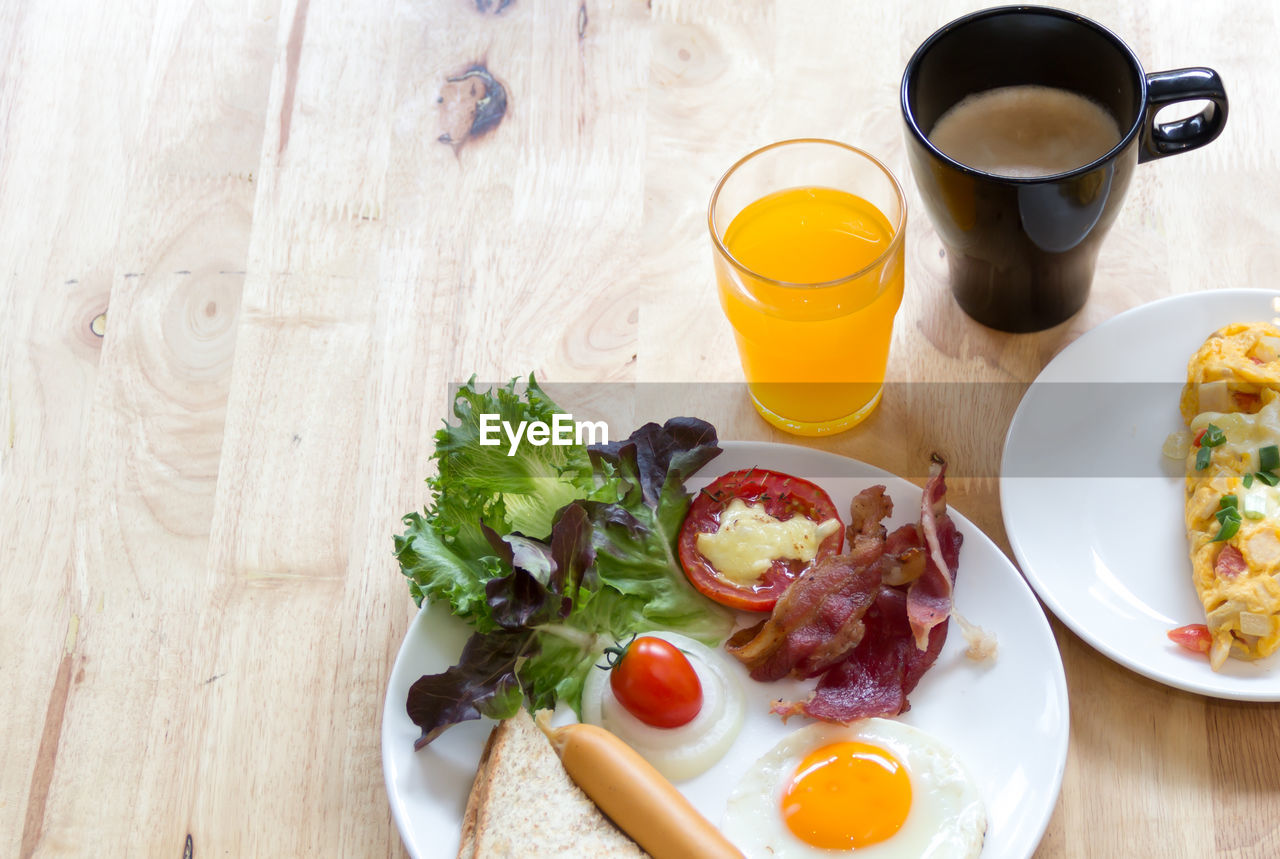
<point x="811" y="291"/>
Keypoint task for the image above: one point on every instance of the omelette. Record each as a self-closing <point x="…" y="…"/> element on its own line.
<point x="1231" y="404"/>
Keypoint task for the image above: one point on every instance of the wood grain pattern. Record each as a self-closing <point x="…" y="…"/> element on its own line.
<point x="242" y="269"/>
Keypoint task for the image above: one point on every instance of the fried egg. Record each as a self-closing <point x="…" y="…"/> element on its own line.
<point x="693" y="748"/>
<point x="875" y="788"/>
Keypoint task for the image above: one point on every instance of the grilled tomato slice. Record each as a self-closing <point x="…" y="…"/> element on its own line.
<point x="750" y="533"/>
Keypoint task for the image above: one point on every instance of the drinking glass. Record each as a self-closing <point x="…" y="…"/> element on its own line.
<point x="808" y="246"/>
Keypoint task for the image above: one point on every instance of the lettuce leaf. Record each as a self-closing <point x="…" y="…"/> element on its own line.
<point x="440" y="569"/>
<point x="635" y="539"/>
<point x="483" y="683"/>
<point x="444" y="551"/>
<point x="546" y="587"/>
<point x="510" y="493"/>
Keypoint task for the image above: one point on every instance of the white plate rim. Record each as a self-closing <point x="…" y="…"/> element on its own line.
<point x="393" y="707"/>
<point x="1200" y="682"/>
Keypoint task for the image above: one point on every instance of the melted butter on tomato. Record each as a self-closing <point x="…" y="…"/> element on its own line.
<point x="749" y="540"/>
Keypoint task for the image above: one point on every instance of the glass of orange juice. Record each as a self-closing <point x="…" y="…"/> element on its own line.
<point x="808" y="238"/>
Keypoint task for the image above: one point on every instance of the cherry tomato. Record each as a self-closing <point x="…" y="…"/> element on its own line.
<point x="1194" y="637"/>
<point x="783" y="497"/>
<point x="655" y="682"/>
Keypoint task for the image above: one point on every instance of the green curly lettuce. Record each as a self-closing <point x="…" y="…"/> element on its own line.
<point x="549" y="554"/>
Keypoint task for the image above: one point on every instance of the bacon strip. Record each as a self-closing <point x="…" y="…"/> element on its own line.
<point x="818" y="619"/>
<point x="929" y="597"/>
<point x="903" y="539"/>
<point x="904" y="556"/>
<point x="877" y="677"/>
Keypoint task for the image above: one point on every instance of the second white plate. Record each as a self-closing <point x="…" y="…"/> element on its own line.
<point x="1094" y="511"/>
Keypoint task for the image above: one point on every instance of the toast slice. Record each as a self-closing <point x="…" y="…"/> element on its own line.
<point x="523" y="803"/>
<point x="479" y="789"/>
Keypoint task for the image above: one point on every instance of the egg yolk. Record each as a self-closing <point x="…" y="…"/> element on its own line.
<point x="847" y="795"/>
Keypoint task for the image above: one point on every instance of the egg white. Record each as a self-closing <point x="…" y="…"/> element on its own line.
<point x="691" y="749"/>
<point x="947" y="818"/>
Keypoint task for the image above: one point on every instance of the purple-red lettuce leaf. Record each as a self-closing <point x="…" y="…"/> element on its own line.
<point x="517" y="550"/>
<point x="572" y="554"/>
<point x="653" y="455"/>
<point x="483" y="683"/>
<point x="521" y="597"/>
<point x="518" y="600"/>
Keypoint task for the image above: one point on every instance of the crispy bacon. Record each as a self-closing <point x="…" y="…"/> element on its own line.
<point x="818" y="619"/>
<point x="904" y="539"/>
<point x="903" y="556"/>
<point x="905" y="627"/>
<point x="929" y="598"/>
<point x="1230" y="562"/>
<point x="867" y="513"/>
<point x="877" y="677"/>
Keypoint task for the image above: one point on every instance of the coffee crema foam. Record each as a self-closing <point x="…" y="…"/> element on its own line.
<point x="1026" y="131"/>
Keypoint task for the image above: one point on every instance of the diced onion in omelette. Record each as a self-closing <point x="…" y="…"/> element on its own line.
<point x="1232" y="369"/>
<point x="1235" y="553"/>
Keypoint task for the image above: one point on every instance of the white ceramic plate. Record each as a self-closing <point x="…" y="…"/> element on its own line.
<point x="1094" y="512"/>
<point x="1007" y="719"/>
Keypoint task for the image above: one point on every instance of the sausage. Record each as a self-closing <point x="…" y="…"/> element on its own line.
<point x="637" y="797"/>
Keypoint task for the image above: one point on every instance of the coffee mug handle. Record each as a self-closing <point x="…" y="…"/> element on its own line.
<point x="1165" y="88"/>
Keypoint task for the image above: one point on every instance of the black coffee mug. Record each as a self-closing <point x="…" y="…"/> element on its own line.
<point x="1022" y="250"/>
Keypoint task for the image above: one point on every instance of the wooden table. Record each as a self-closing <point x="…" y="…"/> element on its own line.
<point x="248" y="246"/>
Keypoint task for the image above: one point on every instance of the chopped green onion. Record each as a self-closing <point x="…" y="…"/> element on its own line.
<point x="1248" y="481"/>
<point x="1268" y="458"/>
<point x="1228" y="517"/>
<point x="1202" y="458"/>
<point x="1229" y="529"/>
<point x="1213" y="436"/>
<point x="1255" y="505"/>
<point x="1267" y="477"/>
